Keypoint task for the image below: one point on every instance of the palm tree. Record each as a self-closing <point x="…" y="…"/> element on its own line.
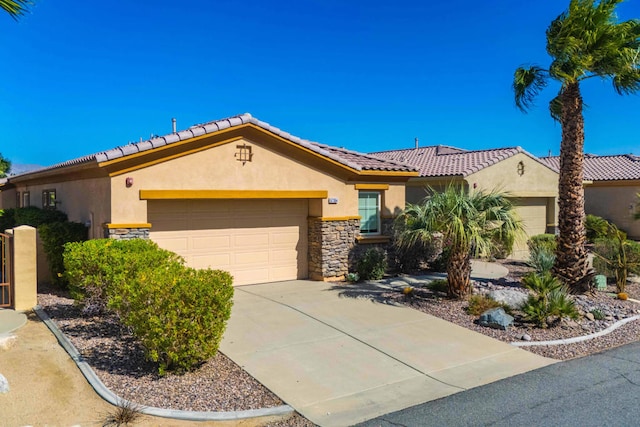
<point x="584" y="42"/>
<point x="15" y="8"/>
<point x="471" y="224"/>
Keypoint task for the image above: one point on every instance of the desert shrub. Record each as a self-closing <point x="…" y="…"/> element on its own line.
<point x="478" y="304"/>
<point x="596" y="226"/>
<point x="616" y="257"/>
<point x="54" y="236"/>
<point x="373" y="264"/>
<point x="442" y="261"/>
<point x="541" y="259"/>
<point x="542" y="242"/>
<point x="597" y="314"/>
<point x="438" y="285"/>
<point x="412" y="258"/>
<point x="352" y="277"/>
<point x="550" y="300"/>
<point x="179" y="314"/>
<point x="96" y="268"/>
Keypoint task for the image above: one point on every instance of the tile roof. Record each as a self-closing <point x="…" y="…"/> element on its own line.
<point x="604" y="168"/>
<point x="441" y="160"/>
<point x="351" y="159"/>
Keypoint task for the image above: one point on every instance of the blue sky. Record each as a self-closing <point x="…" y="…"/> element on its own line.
<point x="81" y="77"/>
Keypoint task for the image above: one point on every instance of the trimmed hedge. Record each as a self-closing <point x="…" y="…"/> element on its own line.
<point x="54" y="236"/>
<point x="97" y="268"/>
<point x="178" y="313"/>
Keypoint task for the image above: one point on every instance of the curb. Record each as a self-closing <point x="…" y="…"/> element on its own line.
<point x="578" y="339"/>
<point x="115" y="400"/>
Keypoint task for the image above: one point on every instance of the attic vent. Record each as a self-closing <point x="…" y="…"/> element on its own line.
<point x="520" y="168"/>
<point x="244" y="153"/>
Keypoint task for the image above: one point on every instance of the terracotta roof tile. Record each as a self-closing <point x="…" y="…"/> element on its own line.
<point x="444" y="161"/>
<point x="604" y="168"/>
<point x="352" y="159"/>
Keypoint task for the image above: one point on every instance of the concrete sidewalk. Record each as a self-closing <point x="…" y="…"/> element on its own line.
<point x="338" y="357"/>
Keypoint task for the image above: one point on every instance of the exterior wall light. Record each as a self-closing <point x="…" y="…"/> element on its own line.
<point x="128" y="181"/>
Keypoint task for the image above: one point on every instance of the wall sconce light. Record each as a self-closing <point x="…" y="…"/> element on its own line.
<point x="128" y="181"/>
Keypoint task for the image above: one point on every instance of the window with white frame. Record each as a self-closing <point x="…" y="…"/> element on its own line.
<point x="18" y="199"/>
<point x="369" y="211"/>
<point x="26" y="199"/>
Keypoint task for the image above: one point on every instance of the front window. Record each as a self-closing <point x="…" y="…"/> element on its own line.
<point x="369" y="211"/>
<point x="49" y="199"/>
<point x="26" y="199"/>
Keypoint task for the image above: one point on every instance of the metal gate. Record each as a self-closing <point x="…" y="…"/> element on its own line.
<point x="6" y="282"/>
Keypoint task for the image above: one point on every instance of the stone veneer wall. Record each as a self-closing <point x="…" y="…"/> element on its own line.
<point x="330" y="243"/>
<point x="126" y="233"/>
<point x="361" y="247"/>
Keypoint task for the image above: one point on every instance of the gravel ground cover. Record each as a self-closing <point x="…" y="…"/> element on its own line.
<point x="436" y="304"/>
<point x="221" y="385"/>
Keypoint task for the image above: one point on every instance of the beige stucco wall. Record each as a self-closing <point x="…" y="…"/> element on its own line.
<point x="536" y="181"/>
<point x="7" y="198"/>
<point x="25" y="271"/>
<point x="83" y="200"/>
<point x="217" y="169"/>
<point x="616" y="203"/>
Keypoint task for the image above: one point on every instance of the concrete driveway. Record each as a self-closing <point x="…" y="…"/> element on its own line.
<point x="339" y="357"/>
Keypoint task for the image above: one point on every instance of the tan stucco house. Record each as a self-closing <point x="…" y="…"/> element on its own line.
<point x="612" y="184"/>
<point x="532" y="184"/>
<point x="236" y="194"/>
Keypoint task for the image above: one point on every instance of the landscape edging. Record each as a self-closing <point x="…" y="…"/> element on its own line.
<point x="573" y="340"/>
<point x="115" y="400"/>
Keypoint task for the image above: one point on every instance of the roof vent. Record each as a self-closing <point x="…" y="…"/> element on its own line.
<point x="173" y="125"/>
<point x="417" y="144"/>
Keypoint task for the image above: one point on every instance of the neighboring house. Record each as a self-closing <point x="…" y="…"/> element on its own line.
<point x="532" y="184"/>
<point x="235" y="194"/>
<point x="612" y="184"/>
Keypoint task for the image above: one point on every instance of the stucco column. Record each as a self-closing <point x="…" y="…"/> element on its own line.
<point x="25" y="277"/>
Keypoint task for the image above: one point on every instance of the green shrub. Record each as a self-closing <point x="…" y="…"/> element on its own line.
<point x="616" y="257"/>
<point x="54" y="236"/>
<point x="35" y="217"/>
<point x="373" y="264"/>
<point x="596" y="226"/>
<point x="478" y="304"/>
<point x="550" y="300"/>
<point x="438" y="285"/>
<point x="542" y="242"/>
<point x="352" y="277"/>
<point x="442" y="261"/>
<point x="7" y="219"/>
<point x="179" y="314"/>
<point x="95" y="269"/>
<point x="541" y="259"/>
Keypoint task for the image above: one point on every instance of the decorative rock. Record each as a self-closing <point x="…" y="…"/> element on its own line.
<point x="495" y="318"/>
<point x="6" y="341"/>
<point x="525" y="337"/>
<point x="571" y="324"/>
<point x="590" y="316"/>
<point x="4" y="384"/>
<point x="510" y="297"/>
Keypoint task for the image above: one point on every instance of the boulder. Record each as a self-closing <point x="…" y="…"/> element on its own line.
<point x="495" y="318"/>
<point x="512" y="298"/>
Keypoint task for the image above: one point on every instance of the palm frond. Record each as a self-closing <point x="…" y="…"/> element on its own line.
<point x="16" y="8"/>
<point x="555" y="107"/>
<point x="527" y="84"/>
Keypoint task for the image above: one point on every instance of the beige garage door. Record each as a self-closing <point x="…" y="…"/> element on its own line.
<point x="533" y="213"/>
<point x="257" y="241"/>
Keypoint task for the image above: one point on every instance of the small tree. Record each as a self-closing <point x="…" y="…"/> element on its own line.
<point x="617" y="256"/>
<point x="470" y="222"/>
<point x="5" y="166"/>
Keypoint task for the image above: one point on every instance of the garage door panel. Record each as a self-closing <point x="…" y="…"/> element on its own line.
<point x="533" y="213"/>
<point x="256" y="241"/>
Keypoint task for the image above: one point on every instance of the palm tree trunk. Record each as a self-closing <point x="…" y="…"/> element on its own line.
<point x="571" y="256"/>
<point x="459" y="273"/>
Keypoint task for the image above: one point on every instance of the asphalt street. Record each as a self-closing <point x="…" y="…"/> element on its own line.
<point x="598" y="390"/>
